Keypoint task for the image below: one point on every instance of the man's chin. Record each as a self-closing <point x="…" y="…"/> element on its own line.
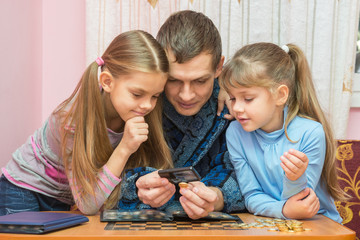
<point x="187" y="111"/>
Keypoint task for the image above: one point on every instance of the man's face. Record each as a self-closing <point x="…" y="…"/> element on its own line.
<point x="190" y="84"/>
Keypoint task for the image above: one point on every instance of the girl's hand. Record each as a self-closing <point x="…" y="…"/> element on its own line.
<point x="303" y="205"/>
<point x="294" y="163"/>
<point x="223" y="98"/>
<point x="136" y="131"/>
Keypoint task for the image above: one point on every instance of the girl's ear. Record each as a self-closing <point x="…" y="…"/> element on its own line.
<point x="106" y="81"/>
<point x="282" y="94"/>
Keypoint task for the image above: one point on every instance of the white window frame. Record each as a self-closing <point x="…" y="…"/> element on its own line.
<point x="355" y="97"/>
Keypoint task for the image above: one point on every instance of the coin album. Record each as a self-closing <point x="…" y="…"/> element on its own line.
<point x="135" y="216"/>
<point x="153" y="215"/>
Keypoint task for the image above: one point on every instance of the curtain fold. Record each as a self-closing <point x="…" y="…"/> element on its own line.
<point x="326" y="30"/>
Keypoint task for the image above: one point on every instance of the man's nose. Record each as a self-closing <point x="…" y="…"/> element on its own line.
<point x="186" y="92"/>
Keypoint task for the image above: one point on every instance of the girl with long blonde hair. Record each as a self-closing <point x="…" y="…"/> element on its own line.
<point x="281" y="145"/>
<point x="110" y="123"/>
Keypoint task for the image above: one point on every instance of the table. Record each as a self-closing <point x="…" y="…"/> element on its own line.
<point x="322" y="228"/>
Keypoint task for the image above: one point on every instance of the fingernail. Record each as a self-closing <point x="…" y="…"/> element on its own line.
<point x="163" y="181"/>
<point x="195" y="190"/>
<point x="184" y="190"/>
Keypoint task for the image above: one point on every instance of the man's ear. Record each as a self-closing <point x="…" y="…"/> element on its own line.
<point x="219" y="67"/>
<point x="282" y="94"/>
<point x="106" y="81"/>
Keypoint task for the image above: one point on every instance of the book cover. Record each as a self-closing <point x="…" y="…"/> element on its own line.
<point x="39" y="222"/>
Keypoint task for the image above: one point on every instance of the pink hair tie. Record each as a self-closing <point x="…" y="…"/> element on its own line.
<point x="100" y="61"/>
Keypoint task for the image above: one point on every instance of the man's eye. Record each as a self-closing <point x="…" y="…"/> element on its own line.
<point x="136" y="95"/>
<point x="248" y="99"/>
<point x="232" y="99"/>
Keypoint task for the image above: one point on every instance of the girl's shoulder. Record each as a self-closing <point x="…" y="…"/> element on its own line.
<point x="301" y="126"/>
<point x="305" y="123"/>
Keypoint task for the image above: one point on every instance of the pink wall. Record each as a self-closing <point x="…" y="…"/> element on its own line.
<point x="353" y="131"/>
<point x="63" y="56"/>
<point x="42" y="47"/>
<point x="21" y="73"/>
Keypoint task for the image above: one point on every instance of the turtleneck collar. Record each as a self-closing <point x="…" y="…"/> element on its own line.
<point x="272" y="136"/>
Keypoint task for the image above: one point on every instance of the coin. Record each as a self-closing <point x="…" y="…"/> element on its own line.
<point x="259" y="226"/>
<point x="235" y="225"/>
<point x="295" y="223"/>
<point x="298" y="229"/>
<point x="183" y="185"/>
<point x="259" y="220"/>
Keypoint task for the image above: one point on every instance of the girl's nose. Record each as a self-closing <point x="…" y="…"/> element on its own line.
<point x="146" y="104"/>
<point x="238" y="106"/>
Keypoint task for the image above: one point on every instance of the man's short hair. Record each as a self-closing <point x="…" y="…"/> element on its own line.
<point x="187" y="34"/>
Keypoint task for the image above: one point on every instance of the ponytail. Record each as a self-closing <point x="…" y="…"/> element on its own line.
<point x="302" y="101"/>
<point x="87" y="121"/>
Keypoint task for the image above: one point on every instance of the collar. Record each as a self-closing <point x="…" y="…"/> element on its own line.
<point x="272" y="136"/>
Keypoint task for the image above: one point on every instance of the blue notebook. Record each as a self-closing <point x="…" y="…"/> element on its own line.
<point x="38" y="222"/>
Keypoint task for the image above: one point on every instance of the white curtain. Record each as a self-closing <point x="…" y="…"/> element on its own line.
<point x="326" y="30"/>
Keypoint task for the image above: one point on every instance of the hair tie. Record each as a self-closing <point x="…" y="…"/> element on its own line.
<point x="100" y="61"/>
<point x="285" y="48"/>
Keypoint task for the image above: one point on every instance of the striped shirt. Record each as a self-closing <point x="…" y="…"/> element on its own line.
<point x="38" y="166"/>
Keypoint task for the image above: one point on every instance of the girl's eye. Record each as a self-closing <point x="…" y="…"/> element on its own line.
<point x="200" y="81"/>
<point x="232" y="99"/>
<point x="136" y="95"/>
<point x="248" y="99"/>
<point x="155" y="97"/>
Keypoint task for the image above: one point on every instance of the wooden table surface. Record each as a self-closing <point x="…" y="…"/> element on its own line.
<point x="321" y="228"/>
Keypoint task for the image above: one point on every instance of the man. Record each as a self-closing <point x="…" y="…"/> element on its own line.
<point x="195" y="134"/>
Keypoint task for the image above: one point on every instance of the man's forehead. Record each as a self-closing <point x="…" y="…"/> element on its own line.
<point x="197" y="68"/>
<point x="190" y="76"/>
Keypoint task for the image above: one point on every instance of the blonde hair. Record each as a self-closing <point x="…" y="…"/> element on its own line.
<point x="267" y="65"/>
<point x="88" y="146"/>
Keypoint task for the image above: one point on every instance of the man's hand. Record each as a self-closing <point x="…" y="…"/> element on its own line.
<point x="294" y="163"/>
<point x="198" y="200"/>
<point x="223" y="98"/>
<point x="303" y="205"/>
<point x="154" y="190"/>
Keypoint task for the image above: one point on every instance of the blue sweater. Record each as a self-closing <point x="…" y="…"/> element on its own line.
<point x="197" y="141"/>
<point x="256" y="159"/>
